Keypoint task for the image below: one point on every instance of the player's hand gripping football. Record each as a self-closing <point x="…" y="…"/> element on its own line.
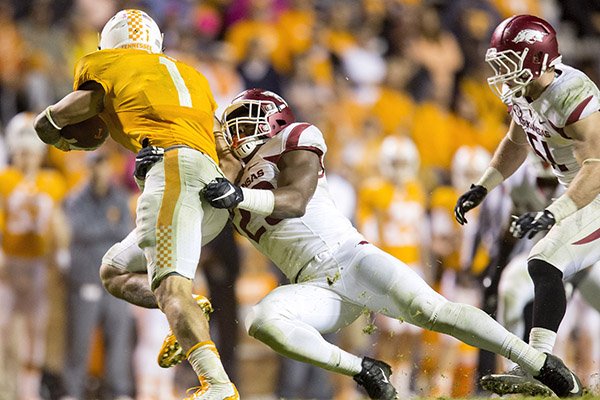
<point x="221" y="193"/>
<point x="532" y="223"/>
<point x="468" y="201"/>
<point x="146" y="158"/>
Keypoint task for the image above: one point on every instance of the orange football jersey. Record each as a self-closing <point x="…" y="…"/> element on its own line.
<point x="393" y="217"/>
<point x="443" y="199"/>
<point x="151" y="96"/>
<point x="27" y="207"/>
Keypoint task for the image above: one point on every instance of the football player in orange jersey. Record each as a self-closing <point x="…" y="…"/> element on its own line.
<point x="145" y="96"/>
<point x="391" y="214"/>
<point x="34" y="226"/>
<point x="452" y="373"/>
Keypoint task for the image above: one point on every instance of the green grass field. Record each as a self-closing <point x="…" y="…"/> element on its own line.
<point x="585" y="397"/>
<point x="588" y="396"/>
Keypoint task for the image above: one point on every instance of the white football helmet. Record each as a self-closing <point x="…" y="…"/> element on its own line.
<point x="468" y="164"/>
<point x="131" y="29"/>
<point x="399" y="159"/>
<point x="20" y="135"/>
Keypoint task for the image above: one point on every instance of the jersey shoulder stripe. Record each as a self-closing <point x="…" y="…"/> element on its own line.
<point x="578" y="111"/>
<point x="293" y="137"/>
<point x="570" y="98"/>
<point x="304" y="136"/>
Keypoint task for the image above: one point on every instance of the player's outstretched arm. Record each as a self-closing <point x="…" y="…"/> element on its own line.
<point x="297" y="182"/>
<point x="75" y="107"/>
<point x="511" y="153"/>
<point x="298" y="177"/>
<point x="508" y="157"/>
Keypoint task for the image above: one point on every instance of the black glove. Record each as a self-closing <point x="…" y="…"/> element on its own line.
<point x="145" y="159"/>
<point x="221" y="193"/>
<point x="532" y="222"/>
<point x="468" y="201"/>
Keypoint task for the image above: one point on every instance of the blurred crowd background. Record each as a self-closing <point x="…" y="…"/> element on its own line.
<point x="398" y="87"/>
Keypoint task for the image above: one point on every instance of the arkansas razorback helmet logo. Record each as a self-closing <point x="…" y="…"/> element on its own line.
<point x="529" y="36"/>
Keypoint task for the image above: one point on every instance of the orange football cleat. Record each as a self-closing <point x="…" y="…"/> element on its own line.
<point x="207" y="391"/>
<point x="171" y="353"/>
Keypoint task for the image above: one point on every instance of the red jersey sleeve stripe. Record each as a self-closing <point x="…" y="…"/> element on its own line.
<point x="589" y="238"/>
<point x="574" y="117"/>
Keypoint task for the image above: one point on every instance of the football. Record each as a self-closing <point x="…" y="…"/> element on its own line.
<point x="86" y="135"/>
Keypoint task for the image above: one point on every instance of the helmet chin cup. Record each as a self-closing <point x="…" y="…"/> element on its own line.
<point x="506" y="92"/>
<point x="246" y="148"/>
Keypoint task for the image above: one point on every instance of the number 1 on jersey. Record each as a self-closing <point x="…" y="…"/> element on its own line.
<point x="185" y="100"/>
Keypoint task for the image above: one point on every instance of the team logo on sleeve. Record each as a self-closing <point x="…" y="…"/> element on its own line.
<point x="529" y="36"/>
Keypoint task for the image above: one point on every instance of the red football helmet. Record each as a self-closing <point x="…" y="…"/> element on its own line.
<point x="254" y="116"/>
<point x="521" y="49"/>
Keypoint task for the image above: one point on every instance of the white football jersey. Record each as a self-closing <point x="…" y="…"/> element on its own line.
<point x="292" y="243"/>
<point x="571" y="97"/>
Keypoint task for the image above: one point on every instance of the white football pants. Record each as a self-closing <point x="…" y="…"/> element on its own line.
<point x="360" y="277"/>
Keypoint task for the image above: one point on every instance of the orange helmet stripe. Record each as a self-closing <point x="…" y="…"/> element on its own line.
<point x="135" y="27"/>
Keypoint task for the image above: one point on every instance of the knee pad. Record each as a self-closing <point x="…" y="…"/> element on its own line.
<point x="544" y="273"/>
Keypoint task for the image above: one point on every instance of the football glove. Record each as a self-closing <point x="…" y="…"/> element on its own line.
<point x="221" y="193"/>
<point x="145" y="159"/>
<point x="532" y="223"/>
<point x="468" y="201"/>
